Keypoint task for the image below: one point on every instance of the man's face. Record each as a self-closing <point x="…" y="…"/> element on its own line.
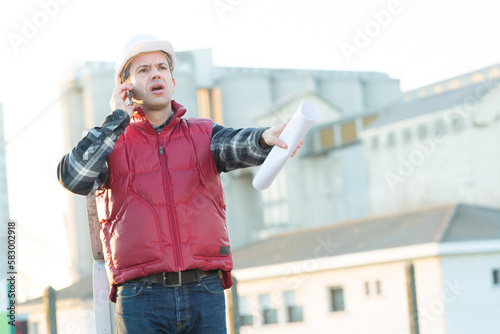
<point x="152" y="80"/>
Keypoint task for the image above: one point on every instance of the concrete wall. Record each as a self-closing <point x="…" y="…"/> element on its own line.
<point x="185" y="92"/>
<point x="243" y="213"/>
<point x="319" y="200"/>
<point x="245" y="97"/>
<point x="458" y="166"/>
<point x="348" y="169"/>
<point x="347" y="94"/>
<point x="380" y="93"/>
<point x="284" y="85"/>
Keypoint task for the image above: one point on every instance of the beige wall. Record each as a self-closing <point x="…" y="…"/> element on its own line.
<point x="384" y="313"/>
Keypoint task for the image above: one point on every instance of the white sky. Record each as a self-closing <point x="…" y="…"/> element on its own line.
<point x="423" y="42"/>
<point x="426" y="41"/>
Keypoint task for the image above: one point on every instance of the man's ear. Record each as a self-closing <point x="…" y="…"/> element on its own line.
<point x="173" y="89"/>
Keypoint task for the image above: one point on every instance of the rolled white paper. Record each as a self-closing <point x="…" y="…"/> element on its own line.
<point x="292" y="134"/>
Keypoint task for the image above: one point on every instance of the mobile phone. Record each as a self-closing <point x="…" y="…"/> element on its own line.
<point x="130" y="102"/>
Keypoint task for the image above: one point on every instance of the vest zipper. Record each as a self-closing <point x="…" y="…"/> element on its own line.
<point x="171" y="204"/>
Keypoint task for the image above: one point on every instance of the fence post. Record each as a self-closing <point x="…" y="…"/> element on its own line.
<point x="49" y="300"/>
<point x="104" y="309"/>
<point x="235" y="308"/>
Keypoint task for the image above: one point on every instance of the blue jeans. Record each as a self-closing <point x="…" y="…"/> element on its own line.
<point x="144" y="307"/>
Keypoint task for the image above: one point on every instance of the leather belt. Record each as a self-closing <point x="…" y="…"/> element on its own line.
<point x="172" y="279"/>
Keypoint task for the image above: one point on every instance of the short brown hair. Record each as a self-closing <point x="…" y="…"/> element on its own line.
<point x="126" y="71"/>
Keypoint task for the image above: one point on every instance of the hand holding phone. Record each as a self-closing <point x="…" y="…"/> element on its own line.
<point x="129" y="95"/>
<point x="122" y="98"/>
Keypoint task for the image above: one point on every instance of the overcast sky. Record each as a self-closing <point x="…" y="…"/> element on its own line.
<point x="416" y="41"/>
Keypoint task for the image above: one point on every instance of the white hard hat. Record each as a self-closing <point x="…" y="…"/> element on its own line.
<point x="137" y="45"/>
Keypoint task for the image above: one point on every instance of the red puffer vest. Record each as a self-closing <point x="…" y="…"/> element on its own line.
<point x="163" y="208"/>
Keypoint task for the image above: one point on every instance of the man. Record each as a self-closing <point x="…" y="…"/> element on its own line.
<point x="160" y="200"/>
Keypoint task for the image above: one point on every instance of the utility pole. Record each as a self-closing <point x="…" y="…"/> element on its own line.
<point x="412" y="298"/>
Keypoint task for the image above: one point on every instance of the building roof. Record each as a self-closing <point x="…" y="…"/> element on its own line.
<point x="433" y="103"/>
<point x="488" y="73"/>
<point x="444" y="224"/>
<point x="82" y="290"/>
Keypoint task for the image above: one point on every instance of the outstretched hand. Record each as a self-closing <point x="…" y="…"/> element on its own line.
<point x="270" y="137"/>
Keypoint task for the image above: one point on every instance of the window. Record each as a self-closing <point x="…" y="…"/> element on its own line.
<point x="438" y="89"/>
<point x="454" y="84"/>
<point x="21" y="326"/>
<point x="458" y="123"/>
<point x="217" y="114"/>
<point x="378" y="286"/>
<point x="494" y="73"/>
<point x="406" y="136"/>
<point x="203" y="97"/>
<point x="246" y="319"/>
<point x="374" y="143"/>
<point x="293" y="311"/>
<point x="439" y="128"/>
<point x="269" y="314"/>
<point x="496" y="276"/>
<point x="210" y="104"/>
<point x="337" y="299"/>
<point x="275" y="202"/>
<point x="391" y="139"/>
<point x="348" y="132"/>
<point x="367" y="288"/>
<point x="368" y="120"/>
<point x="422" y="131"/>
<point x="327" y="137"/>
<point x="477" y="77"/>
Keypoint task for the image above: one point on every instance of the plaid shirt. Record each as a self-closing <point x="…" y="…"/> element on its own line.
<point x="85" y="168"/>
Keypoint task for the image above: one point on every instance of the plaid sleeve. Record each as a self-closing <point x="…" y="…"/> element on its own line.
<point x="84" y="168"/>
<point x="237" y="148"/>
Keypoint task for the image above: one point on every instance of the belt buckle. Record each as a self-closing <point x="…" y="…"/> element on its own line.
<point x="179" y="281"/>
